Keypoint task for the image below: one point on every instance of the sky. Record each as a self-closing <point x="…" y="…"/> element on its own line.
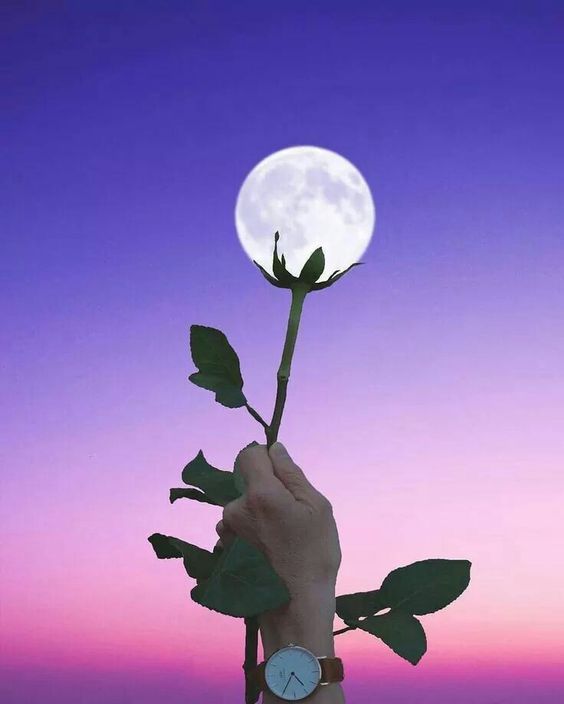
<point x="426" y="399"/>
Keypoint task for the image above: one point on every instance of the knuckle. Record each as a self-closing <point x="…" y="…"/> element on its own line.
<point x="241" y="459"/>
<point x="230" y="514"/>
<point x="248" y="458"/>
<point x="260" y="499"/>
<point x="325" y="505"/>
<point x="250" y="451"/>
<point x="297" y="470"/>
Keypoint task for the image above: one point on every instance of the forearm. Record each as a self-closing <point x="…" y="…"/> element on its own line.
<point x="307" y="621"/>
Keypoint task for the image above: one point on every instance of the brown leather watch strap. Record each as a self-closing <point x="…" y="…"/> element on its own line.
<point x="331" y="671"/>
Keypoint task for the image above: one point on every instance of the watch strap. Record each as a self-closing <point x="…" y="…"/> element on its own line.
<point x="331" y="671"/>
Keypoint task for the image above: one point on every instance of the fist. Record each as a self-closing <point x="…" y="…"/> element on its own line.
<point x="283" y="515"/>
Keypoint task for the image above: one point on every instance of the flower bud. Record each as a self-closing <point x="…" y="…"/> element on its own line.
<point x="310" y="273"/>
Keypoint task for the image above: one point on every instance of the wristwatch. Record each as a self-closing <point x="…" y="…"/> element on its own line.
<point x="293" y="673"/>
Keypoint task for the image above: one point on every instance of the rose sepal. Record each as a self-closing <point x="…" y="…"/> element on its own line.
<point x="309" y="275"/>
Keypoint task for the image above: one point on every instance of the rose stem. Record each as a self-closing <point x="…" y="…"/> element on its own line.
<point x="299" y="292"/>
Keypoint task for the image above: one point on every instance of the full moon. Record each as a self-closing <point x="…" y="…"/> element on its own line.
<point x="314" y="198"/>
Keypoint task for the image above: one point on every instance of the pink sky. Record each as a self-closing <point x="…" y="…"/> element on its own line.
<point x="427" y="391"/>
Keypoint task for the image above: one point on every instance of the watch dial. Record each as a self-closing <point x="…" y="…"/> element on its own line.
<point x="292" y="673"/>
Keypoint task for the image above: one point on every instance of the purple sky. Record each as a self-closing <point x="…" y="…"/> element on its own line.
<point x="427" y="390"/>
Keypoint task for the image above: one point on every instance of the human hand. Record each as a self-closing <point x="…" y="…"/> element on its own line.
<point x="282" y="514"/>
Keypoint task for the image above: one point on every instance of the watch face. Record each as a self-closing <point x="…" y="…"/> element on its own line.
<point x="292" y="673"/>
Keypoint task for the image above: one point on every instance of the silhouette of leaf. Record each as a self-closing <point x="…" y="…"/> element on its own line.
<point x="400" y="631"/>
<point x="242" y="583"/>
<point x="218" y="365"/>
<point x="219" y="486"/>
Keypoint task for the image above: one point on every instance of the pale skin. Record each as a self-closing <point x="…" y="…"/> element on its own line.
<point x="291" y="522"/>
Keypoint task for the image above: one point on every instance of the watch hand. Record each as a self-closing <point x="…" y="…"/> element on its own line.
<point x="299" y="680"/>
<point x="287" y="683"/>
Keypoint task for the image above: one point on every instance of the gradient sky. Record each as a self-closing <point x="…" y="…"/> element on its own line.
<point x="427" y="390"/>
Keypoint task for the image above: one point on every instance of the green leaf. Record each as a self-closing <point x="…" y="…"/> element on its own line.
<point x="227" y="395"/>
<point x="242" y="583"/>
<point x="268" y="277"/>
<point x="420" y="588"/>
<point x="218" y="485"/>
<point x="331" y="280"/>
<point x="400" y="631"/>
<point x="182" y="493"/>
<point x="425" y="586"/>
<point x="218" y="365"/>
<point x="163" y="547"/>
<point x="314" y="267"/>
<point x="353" y="606"/>
<point x="199" y="563"/>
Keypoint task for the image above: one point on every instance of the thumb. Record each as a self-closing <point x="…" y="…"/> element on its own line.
<point x="288" y="472"/>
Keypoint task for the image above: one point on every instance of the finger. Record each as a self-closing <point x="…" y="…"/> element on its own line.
<point x="288" y="472"/>
<point x="255" y="466"/>
<point x="234" y="514"/>
<point x="226" y="536"/>
<point x="221" y="529"/>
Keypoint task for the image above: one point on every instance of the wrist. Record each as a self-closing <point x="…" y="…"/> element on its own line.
<point x="306" y="620"/>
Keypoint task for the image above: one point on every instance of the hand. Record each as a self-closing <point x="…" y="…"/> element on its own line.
<point x="282" y="514"/>
<point x="286" y="517"/>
